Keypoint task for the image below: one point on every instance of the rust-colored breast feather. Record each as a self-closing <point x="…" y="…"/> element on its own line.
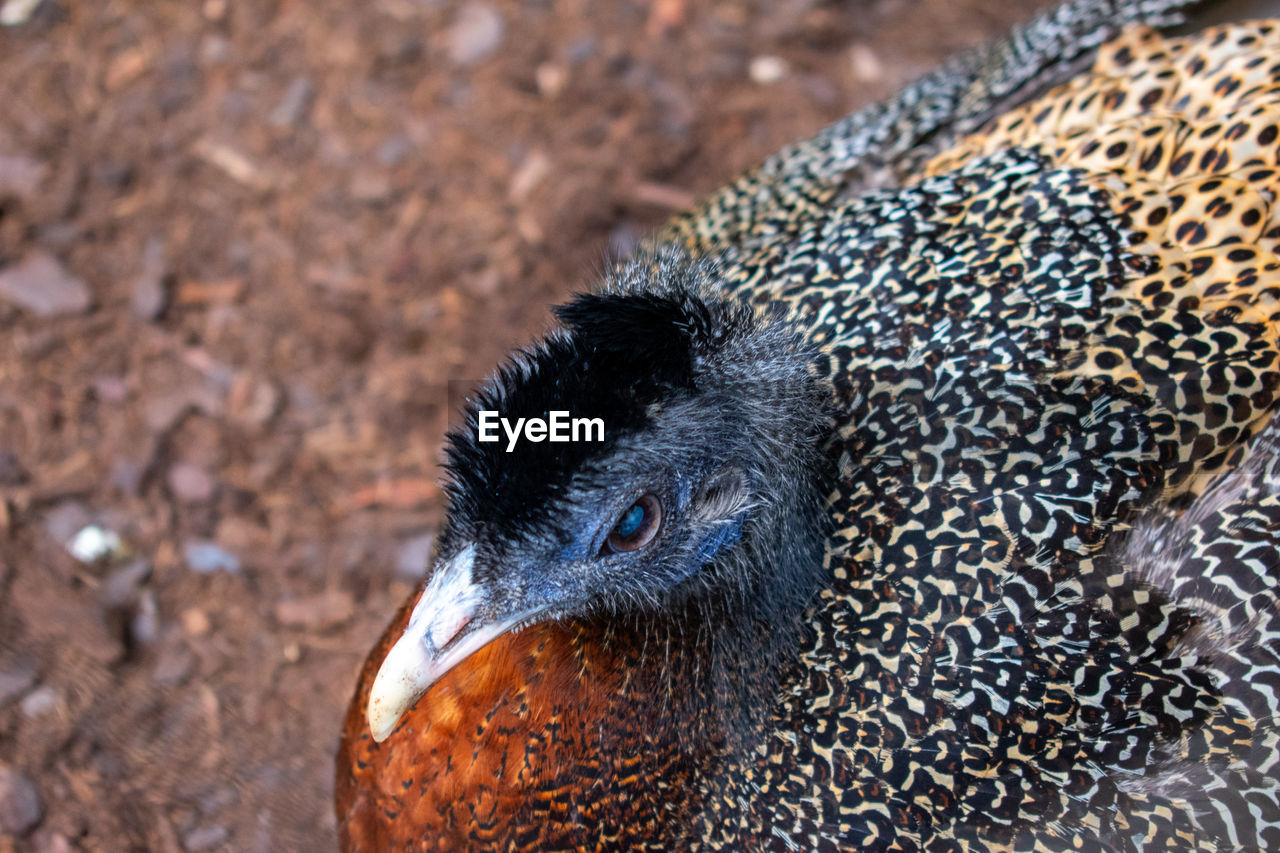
<point x="460" y="765"/>
<point x="506" y="751"/>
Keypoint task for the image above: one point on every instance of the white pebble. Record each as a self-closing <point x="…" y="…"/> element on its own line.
<point x="39" y="702"/>
<point x="95" y="543"/>
<point x="768" y="69"/>
<point x="866" y="66"/>
<point x="17" y="12"/>
<point x="476" y="33"/>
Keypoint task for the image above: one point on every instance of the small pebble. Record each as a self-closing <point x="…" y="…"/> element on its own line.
<point x="120" y="587"/>
<point x="110" y="389"/>
<point x="316" y="612"/>
<point x="253" y="400"/>
<point x="150" y="292"/>
<point x="21" y="809"/>
<point x="866" y="66"/>
<point x="292" y="652"/>
<point x="56" y="843"/>
<point x="126" y="476"/>
<point x="234" y="163"/>
<point x="476" y="33"/>
<point x="581" y="49"/>
<point x="214" y="49"/>
<point x="195" y="622"/>
<point x="533" y="168"/>
<point x="394" y="150"/>
<point x="202" y="556"/>
<point x="94" y="543"/>
<point x="190" y="484"/>
<point x="414" y="556"/>
<point x="20" y="177"/>
<point x="15" y="682"/>
<point x="768" y="69"/>
<point x="294" y="104"/>
<point x="145" y="626"/>
<point x="205" y="838"/>
<point x="369" y="186"/>
<point x="39" y="702"/>
<point x="551" y="79"/>
<point x="64" y="521"/>
<point x="44" y="287"/>
<point x="18" y="12"/>
<point x="486" y="282"/>
<point x="125" y="67"/>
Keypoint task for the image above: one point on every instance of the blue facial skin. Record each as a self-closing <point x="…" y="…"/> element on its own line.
<point x="724" y="537"/>
<point x="718" y="539"/>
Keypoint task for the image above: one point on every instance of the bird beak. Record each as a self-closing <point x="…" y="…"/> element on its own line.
<point x="443" y="631"/>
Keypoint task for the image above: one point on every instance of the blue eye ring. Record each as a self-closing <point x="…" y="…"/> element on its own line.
<point x="637" y="526"/>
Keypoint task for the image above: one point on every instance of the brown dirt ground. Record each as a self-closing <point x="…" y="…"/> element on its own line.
<point x="298" y="223"/>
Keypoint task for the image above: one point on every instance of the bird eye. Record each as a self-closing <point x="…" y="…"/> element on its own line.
<point x="637" y="526"/>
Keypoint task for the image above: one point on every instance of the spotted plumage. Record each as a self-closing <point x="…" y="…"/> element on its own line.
<point x="1046" y="615"/>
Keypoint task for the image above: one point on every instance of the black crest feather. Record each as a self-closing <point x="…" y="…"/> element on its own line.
<point x="617" y="355"/>
<point x="664" y="334"/>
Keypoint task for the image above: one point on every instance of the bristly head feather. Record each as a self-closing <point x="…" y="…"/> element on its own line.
<point x="649" y="340"/>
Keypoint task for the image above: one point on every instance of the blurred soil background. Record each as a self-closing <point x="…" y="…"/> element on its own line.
<point x="244" y="249"/>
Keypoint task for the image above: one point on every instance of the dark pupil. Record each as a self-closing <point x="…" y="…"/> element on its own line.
<point x="631" y="521"/>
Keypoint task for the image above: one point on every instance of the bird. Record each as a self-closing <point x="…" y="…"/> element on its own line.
<point x="937" y="506"/>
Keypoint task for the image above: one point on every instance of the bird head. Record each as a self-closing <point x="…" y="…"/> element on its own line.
<point x="702" y="495"/>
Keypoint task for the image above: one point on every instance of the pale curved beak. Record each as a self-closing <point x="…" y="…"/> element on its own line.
<point x="443" y="631"/>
